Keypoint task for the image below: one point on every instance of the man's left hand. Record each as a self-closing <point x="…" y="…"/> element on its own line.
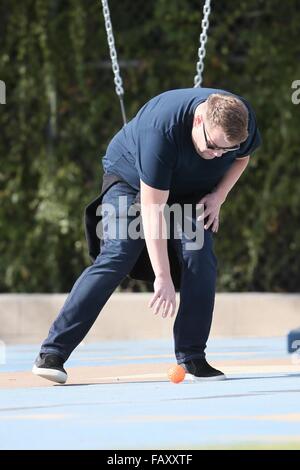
<point x="212" y="204"/>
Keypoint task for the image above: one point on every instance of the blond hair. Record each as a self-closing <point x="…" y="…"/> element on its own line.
<point x="229" y="113"/>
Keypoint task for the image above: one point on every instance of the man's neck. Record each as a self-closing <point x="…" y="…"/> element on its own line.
<point x="200" y="110"/>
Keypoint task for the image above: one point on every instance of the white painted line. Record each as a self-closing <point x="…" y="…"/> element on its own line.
<point x="254" y="369"/>
<point x="134" y="376"/>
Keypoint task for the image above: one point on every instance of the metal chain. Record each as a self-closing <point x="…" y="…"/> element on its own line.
<point x="114" y="59"/>
<point x="203" y="40"/>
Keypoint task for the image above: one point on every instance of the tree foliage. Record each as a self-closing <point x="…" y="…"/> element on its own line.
<point x="61" y="112"/>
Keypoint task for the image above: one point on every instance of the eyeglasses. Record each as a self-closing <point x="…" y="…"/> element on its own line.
<point x="215" y="147"/>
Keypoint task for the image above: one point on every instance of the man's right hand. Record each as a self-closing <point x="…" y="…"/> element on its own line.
<point x="164" y="296"/>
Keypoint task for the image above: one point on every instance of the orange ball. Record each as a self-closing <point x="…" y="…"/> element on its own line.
<point x="176" y="374"/>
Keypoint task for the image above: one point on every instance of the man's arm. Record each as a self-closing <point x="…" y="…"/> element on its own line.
<point x="231" y="177"/>
<point x="217" y="197"/>
<point x="154" y="223"/>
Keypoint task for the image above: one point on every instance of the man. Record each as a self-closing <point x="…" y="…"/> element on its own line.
<point x="183" y="145"/>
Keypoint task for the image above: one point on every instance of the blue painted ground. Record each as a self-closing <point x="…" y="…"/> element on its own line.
<point x="20" y="358"/>
<point x="251" y="408"/>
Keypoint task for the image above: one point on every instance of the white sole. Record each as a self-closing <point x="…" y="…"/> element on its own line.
<point x="193" y="378"/>
<point x="50" y="374"/>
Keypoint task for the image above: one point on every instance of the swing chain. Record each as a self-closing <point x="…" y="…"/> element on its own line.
<point x="114" y="59"/>
<point x="113" y="55"/>
<point x="203" y="41"/>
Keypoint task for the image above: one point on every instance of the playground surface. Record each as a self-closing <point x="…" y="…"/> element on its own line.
<point x="118" y="397"/>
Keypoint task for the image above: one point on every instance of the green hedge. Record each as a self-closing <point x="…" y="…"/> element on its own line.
<point x="61" y="112"/>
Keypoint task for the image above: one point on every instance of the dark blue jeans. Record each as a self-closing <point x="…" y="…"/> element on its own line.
<point x="118" y="255"/>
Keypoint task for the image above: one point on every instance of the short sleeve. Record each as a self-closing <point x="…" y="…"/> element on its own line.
<point x="156" y="158"/>
<point x="253" y="141"/>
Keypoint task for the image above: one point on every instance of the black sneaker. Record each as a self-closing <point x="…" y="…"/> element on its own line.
<point x="199" y="370"/>
<point x="50" y="366"/>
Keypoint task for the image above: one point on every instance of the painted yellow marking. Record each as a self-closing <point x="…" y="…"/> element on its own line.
<point x="289" y="417"/>
<point x="253" y="369"/>
<point x="257" y="368"/>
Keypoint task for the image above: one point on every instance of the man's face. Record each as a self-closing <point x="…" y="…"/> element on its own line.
<point x="210" y="142"/>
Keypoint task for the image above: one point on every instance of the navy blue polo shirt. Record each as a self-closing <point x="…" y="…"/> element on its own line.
<point x="156" y="146"/>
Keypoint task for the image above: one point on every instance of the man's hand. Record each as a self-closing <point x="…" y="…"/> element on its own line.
<point x="164" y="293"/>
<point x="212" y="204"/>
